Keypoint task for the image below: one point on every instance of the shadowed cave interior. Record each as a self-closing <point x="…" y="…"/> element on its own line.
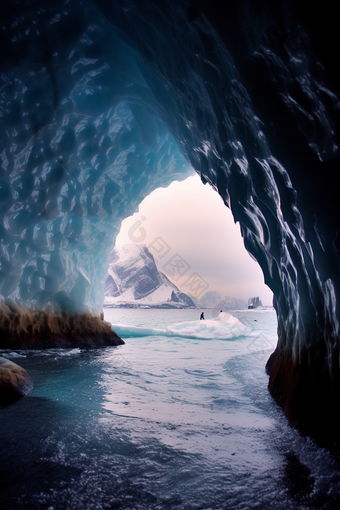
<point x="103" y="102"/>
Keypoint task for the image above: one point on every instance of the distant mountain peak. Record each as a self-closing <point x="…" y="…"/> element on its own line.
<point x="134" y="281"/>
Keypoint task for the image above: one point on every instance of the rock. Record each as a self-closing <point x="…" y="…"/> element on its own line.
<point x="37" y="329"/>
<point x="14" y="382"/>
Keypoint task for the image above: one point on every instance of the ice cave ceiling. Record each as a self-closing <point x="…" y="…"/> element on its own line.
<point x="103" y="101"/>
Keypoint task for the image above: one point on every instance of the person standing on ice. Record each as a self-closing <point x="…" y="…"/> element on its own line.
<point x="202" y="316"/>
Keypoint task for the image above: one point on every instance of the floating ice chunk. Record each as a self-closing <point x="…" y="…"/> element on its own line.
<point x="229" y="328"/>
<point x="123" y="330"/>
<point x="227" y="317"/>
<point x="39" y="352"/>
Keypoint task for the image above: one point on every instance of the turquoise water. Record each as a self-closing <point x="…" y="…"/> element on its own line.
<point x="162" y="422"/>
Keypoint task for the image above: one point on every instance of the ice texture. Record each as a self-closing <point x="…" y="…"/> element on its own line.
<point x="81" y="146"/>
<point x="213" y="329"/>
<point x="101" y="102"/>
<point x="14" y="382"/>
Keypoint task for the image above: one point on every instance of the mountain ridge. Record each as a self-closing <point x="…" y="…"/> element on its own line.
<point x="134" y="281"/>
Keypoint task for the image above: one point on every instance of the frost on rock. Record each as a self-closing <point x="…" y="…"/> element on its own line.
<point x="101" y="102"/>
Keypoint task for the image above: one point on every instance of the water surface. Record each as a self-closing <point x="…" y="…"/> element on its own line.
<point x="162" y="422"/>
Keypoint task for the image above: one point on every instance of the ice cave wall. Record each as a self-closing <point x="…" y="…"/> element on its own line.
<point x="248" y="95"/>
<point x="81" y="146"/>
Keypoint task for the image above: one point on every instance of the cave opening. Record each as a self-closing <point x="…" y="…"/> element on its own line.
<point x="98" y="109"/>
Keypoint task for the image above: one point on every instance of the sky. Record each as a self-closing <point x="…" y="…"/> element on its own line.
<point x="195" y="242"/>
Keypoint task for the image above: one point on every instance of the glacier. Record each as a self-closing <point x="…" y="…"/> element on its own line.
<point x="103" y="101"/>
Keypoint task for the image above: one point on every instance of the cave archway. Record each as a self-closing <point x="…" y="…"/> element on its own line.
<point x="87" y="90"/>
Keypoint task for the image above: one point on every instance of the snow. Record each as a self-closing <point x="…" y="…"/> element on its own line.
<point x="139" y="283"/>
<point x="229" y="329"/>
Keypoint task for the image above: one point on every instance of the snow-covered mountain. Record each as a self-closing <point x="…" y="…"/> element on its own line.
<point x="134" y="281"/>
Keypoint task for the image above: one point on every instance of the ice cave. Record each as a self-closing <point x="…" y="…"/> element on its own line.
<point x="102" y="101"/>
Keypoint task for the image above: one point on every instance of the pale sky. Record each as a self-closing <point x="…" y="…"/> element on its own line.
<point x="196" y="231"/>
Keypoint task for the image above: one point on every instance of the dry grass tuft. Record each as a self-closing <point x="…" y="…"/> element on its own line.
<point x="22" y="328"/>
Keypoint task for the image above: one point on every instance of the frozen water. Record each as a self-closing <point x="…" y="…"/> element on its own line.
<point x="201" y="330"/>
<point x="72" y="171"/>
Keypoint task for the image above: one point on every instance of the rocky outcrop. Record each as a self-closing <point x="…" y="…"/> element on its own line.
<point x="21" y="328"/>
<point x="247" y="91"/>
<point x="14" y="382"/>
